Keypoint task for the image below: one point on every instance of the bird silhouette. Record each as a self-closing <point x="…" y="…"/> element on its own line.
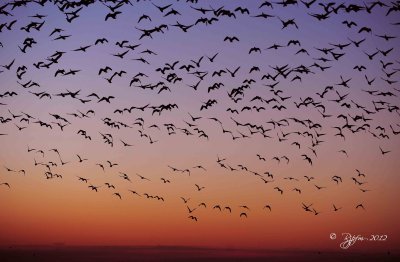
<point x="360" y="206"/>
<point x="94" y="188"/>
<point x="383" y="152"/>
<point x="209" y="81"/>
<point x="81" y="159"/>
<point x="85" y="180"/>
<point x="117" y="195"/>
<point x="142" y="177"/>
<point x="5" y="184"/>
<point x="193" y="218"/>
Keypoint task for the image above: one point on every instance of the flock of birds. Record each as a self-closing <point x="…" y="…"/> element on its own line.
<point x="305" y="135"/>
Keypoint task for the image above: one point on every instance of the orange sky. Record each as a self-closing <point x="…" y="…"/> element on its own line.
<point x="40" y="211"/>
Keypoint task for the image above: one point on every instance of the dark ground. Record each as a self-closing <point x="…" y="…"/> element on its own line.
<point x="177" y="254"/>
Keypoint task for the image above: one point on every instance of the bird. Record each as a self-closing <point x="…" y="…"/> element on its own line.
<point x="185" y="200"/>
<point x="263" y="15"/>
<point x="142" y="177"/>
<point x="121" y="55"/>
<point x="200" y="167"/>
<point x="267" y="207"/>
<point x="94" y="188"/>
<point x="112" y="15"/>
<point x="298" y="190"/>
<point x="261" y="158"/>
<point x="162" y="8"/>
<point x="144" y="16"/>
<point x="9" y="169"/>
<point x="107" y="99"/>
<point x="5" y="184"/>
<point x="307" y="207"/>
<point x="359" y="173"/>
<point x="254" y="49"/>
<point x="101" y="41"/>
<point x="349" y="24"/>
<point x="193" y="218"/>
<point x="279" y="190"/>
<point x="212" y="58"/>
<point x="165" y="180"/>
<point x="199" y="188"/>
<point x="117" y="195"/>
<point x="319" y="187"/>
<point x="101" y="166"/>
<point x="245" y="207"/>
<point x="360" y="206"/>
<point x="309" y="178"/>
<point x="104" y="70"/>
<point x="190" y="210"/>
<point x="111" y="164"/>
<point x="124" y="143"/>
<point x="344" y="152"/>
<point x="307" y="158"/>
<point x="233" y="73"/>
<point x="242" y="10"/>
<point x="217" y="207"/>
<point x="336" y="208"/>
<point x="260" y="98"/>
<point x="109" y="185"/>
<point x="9" y="65"/>
<point x="85" y="180"/>
<point x="315" y="212"/>
<point x="383" y="152"/>
<point x="82" y="48"/>
<point x="134" y="192"/>
<point x="231" y="39"/>
<point x="81" y="159"/>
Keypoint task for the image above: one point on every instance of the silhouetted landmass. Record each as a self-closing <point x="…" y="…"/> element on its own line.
<point x="170" y="253"/>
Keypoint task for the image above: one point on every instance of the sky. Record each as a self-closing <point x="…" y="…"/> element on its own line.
<point x="40" y="211"/>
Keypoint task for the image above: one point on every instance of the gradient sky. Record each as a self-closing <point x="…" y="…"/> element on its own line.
<point x="36" y="210"/>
